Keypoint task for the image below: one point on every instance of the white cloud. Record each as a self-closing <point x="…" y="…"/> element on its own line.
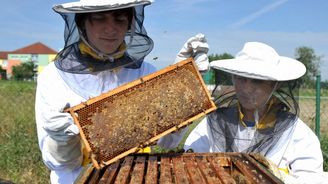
<point x="257" y="14"/>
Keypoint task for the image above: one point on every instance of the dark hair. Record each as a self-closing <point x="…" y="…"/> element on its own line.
<point x="81" y="17"/>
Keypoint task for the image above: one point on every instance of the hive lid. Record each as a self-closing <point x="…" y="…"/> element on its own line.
<point x="137" y="114"/>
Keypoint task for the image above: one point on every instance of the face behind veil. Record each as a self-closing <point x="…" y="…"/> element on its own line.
<point x="138" y="44"/>
<point x="255" y="62"/>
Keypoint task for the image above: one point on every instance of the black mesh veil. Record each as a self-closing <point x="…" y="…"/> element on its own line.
<point x="225" y="123"/>
<point x="139" y="45"/>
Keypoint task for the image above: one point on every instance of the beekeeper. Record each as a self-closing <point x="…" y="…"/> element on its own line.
<point x="261" y="115"/>
<point x="105" y="47"/>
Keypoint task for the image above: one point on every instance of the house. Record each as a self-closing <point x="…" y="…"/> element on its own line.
<point x="3" y="64"/>
<point x="38" y="53"/>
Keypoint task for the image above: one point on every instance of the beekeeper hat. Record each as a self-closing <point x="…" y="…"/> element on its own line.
<point x="87" y="6"/>
<point x="259" y="61"/>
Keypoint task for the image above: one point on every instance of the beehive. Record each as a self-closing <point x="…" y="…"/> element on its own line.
<point x="132" y="116"/>
<point x="193" y="168"/>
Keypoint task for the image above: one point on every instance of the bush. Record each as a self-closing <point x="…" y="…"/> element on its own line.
<point x="324" y="147"/>
<point x="24" y="71"/>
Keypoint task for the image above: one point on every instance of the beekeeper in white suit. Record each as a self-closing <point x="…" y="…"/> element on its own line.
<point x="105" y="46"/>
<point x="261" y="116"/>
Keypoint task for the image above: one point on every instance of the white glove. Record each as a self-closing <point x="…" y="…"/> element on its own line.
<point x="67" y="153"/>
<point x="300" y="178"/>
<point x="59" y="125"/>
<point x="197" y="48"/>
<point x="271" y="166"/>
<point x="63" y="142"/>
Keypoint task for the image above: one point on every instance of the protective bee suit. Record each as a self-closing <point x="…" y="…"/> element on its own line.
<point x="276" y="133"/>
<point x="297" y="153"/>
<point x="81" y="71"/>
<point x="58" y="137"/>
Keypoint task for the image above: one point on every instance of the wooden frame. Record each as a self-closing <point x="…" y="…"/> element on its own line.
<point x="94" y="112"/>
<point x="174" y="168"/>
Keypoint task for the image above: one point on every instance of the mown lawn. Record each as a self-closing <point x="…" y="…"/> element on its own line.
<point x="20" y="158"/>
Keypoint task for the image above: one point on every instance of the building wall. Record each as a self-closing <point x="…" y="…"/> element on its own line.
<point x="10" y="65"/>
<point x="4" y="63"/>
<point x="44" y="60"/>
<point x="20" y="57"/>
<point x="40" y="60"/>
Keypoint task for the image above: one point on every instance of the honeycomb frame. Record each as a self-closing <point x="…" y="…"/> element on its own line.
<point x="130" y="117"/>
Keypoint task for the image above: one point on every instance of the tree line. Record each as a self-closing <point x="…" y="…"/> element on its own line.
<point x="27" y="70"/>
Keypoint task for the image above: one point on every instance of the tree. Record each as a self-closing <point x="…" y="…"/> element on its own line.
<point x="221" y="77"/>
<point x="312" y="63"/>
<point x="3" y="74"/>
<point x="324" y="84"/>
<point x="24" y="71"/>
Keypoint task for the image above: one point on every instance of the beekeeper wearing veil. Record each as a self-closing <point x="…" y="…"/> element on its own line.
<point x="105" y="47"/>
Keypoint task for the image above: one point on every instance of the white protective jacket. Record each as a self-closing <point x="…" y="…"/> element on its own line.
<point x="54" y="90"/>
<point x="299" y="153"/>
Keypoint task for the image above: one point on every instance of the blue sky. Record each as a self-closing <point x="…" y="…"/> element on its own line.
<point x="227" y="24"/>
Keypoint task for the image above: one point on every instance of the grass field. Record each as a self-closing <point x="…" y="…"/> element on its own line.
<point x="20" y="158"/>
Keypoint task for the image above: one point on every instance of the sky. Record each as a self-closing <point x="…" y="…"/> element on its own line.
<point x="227" y="24"/>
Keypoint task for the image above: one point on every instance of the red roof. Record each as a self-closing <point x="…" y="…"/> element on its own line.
<point x="4" y="54"/>
<point x="36" y="48"/>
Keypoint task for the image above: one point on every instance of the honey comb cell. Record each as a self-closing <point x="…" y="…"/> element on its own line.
<point x="138" y="113"/>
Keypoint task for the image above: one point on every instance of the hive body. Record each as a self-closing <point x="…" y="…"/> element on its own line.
<point x="193" y="168"/>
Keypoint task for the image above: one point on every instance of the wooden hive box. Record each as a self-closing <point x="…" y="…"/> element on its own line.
<point x="137" y="114"/>
<point x="193" y="168"/>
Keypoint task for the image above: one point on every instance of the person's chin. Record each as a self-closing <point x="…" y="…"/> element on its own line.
<point x="108" y="49"/>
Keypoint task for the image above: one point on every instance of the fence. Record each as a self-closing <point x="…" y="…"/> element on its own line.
<point x="314" y="110"/>
<point x="313" y="103"/>
<point x="21" y="159"/>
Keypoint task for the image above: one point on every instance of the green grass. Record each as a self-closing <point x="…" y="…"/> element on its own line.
<point x="311" y="92"/>
<point x="20" y="158"/>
